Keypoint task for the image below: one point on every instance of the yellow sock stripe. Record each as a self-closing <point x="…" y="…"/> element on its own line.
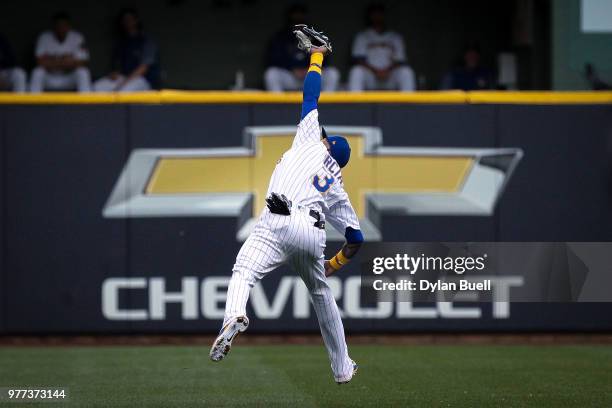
<point x="316" y="62"/>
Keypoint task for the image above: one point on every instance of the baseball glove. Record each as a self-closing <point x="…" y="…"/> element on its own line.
<point x="308" y="37"/>
<point x="279" y="204"/>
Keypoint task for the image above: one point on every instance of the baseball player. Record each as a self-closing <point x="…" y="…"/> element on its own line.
<point x="61" y="56"/>
<point x="305" y="190"/>
<point x="380" y="57"/>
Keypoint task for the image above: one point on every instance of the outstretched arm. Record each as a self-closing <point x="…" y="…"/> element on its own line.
<point x="312" y="82"/>
<point x="354" y="239"/>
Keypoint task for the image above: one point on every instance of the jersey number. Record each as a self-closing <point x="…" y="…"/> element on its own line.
<point x="322" y="185"/>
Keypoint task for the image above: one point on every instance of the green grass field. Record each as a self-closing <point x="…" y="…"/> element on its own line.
<point x="398" y="376"/>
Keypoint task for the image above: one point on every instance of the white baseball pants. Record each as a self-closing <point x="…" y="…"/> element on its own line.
<point x="78" y="78"/>
<point x="280" y="79"/>
<point x="401" y="78"/>
<point x="108" y="84"/>
<point x="15" y="78"/>
<point x="275" y="240"/>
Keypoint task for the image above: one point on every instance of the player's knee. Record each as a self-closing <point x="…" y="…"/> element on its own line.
<point x="331" y="74"/>
<point x="357" y="72"/>
<point x="405" y="72"/>
<point x="317" y="292"/>
<point x="102" y="85"/>
<point x="82" y="73"/>
<point x="321" y="295"/>
<point x="18" y="74"/>
<point x="318" y="285"/>
<point x="406" y="77"/>
<point x="243" y="274"/>
<point x="356" y="79"/>
<point x="38" y="72"/>
<point x="270" y="73"/>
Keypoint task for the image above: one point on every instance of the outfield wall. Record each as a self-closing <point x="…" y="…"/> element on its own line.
<point x="64" y="266"/>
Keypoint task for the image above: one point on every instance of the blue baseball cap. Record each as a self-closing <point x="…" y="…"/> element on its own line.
<point x="339" y="148"/>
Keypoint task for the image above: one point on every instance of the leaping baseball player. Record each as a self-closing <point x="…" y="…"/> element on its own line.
<point x="305" y="190"/>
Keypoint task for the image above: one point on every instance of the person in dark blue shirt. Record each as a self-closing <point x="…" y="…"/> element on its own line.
<point x="471" y="75"/>
<point x="135" y="59"/>
<point x="11" y="76"/>
<point x="287" y="65"/>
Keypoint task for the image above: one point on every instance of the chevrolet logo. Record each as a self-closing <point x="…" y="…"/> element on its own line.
<point x="232" y="181"/>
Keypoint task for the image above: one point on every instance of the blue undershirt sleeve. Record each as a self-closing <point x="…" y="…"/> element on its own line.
<point x="353" y="236"/>
<point x="312" y="91"/>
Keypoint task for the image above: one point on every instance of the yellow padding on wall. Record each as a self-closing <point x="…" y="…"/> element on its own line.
<point x="228" y="97"/>
<point x="222" y="97"/>
<point x="540" y="98"/>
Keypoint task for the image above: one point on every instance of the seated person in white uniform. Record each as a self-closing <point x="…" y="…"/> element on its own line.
<point x="61" y="58"/>
<point x="287" y="65"/>
<point x="379" y="56"/>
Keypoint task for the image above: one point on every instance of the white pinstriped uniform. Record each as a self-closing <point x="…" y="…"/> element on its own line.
<point x="293" y="239"/>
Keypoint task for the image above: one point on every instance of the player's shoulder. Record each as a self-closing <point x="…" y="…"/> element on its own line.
<point x="393" y="35"/>
<point x="46" y="35"/>
<point x="365" y="35"/>
<point x="75" y="35"/>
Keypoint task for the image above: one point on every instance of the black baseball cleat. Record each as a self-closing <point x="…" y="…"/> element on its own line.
<point x="344" y="381"/>
<point x="223" y="342"/>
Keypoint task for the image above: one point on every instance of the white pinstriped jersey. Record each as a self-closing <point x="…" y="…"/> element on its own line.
<point x="310" y="177"/>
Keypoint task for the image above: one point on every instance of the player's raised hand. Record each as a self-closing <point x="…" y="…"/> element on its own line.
<point x="322" y="50"/>
<point x="311" y="40"/>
